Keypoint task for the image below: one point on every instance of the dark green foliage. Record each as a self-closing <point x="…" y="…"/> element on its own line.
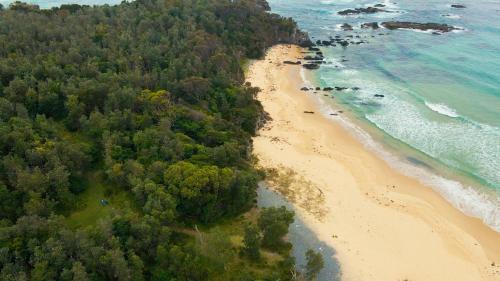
<point x="252" y="241"/>
<point x="274" y="223"/>
<point x="146" y="94"/>
<point x="314" y="264"/>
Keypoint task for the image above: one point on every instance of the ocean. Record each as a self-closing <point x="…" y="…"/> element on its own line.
<point x="439" y="117"/>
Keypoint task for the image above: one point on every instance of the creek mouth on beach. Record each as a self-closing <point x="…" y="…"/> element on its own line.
<point x="301" y="236"/>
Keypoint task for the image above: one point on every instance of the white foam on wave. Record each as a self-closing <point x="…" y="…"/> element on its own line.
<point x="327" y="2"/>
<point x="442" y="109"/>
<point x="484" y="205"/>
<point x="349" y="72"/>
<point x="465" y="198"/>
<point x="452" y="16"/>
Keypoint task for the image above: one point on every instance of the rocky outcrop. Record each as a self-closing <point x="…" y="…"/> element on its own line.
<point x="368" y="10"/>
<point x="315" y="58"/>
<point x="263" y="5"/>
<point x="292" y="62"/>
<point x="458" y="6"/>
<point x="346" y="27"/>
<point x="311" y="66"/>
<point x="441" y="27"/>
<point x="372" y="25"/>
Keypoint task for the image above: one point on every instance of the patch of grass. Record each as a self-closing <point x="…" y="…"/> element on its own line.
<point x="222" y="242"/>
<point x="89" y="210"/>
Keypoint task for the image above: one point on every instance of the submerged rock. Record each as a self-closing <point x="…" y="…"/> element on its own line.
<point x="346" y="27"/>
<point x="458" y="6"/>
<point x="419" y="26"/>
<point x="311" y="66"/>
<point x="379" y="96"/>
<point x="372" y="25"/>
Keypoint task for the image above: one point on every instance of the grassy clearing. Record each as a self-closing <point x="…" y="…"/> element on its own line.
<point x="89" y="210"/>
<point x="222" y="242"/>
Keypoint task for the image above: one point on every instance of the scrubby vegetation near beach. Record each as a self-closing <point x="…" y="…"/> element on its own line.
<point x="125" y="142"/>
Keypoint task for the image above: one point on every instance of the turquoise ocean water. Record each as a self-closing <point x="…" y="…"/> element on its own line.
<point x="439" y="119"/>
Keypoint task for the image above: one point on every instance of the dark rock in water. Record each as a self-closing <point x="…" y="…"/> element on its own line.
<point x="346" y="27"/>
<point x="419" y="26"/>
<point x="319" y="53"/>
<point x="313" y="58"/>
<point x="458" y="6"/>
<point x="340" y="88"/>
<point x="379" y="5"/>
<point x="379" y="96"/>
<point x="318" y="88"/>
<point x="312" y="49"/>
<point x="305" y="89"/>
<point x="292" y="62"/>
<point x="344" y="60"/>
<point x="328" y="89"/>
<point x="368" y="10"/>
<point x="355" y="88"/>
<point x="311" y="66"/>
<point x="333" y="114"/>
<point x="344" y="43"/>
<point x="372" y="25"/>
<point x="326" y="43"/>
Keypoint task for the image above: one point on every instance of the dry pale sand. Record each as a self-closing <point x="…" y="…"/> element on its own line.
<point x="383" y="225"/>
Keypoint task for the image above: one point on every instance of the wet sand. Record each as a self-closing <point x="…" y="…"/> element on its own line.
<point x="382" y="224"/>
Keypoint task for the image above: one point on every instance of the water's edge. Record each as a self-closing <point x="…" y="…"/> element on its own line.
<point x="301" y="236"/>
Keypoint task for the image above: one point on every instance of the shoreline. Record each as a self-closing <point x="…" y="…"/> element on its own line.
<point x="383" y="225"/>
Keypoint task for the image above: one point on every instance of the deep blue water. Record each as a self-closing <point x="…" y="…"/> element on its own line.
<point x="441" y="104"/>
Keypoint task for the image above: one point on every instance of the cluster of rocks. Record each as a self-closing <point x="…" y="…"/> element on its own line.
<point x="339" y="41"/>
<point x="329" y="89"/>
<point x="440" y="27"/>
<point x="292" y="62"/>
<point x="357" y="11"/>
<point x="314" y="59"/>
<point x="372" y="25"/>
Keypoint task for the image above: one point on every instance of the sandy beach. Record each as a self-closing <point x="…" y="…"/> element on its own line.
<point x="383" y="225"/>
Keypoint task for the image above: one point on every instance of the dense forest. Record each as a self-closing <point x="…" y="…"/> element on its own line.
<point x="125" y="138"/>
